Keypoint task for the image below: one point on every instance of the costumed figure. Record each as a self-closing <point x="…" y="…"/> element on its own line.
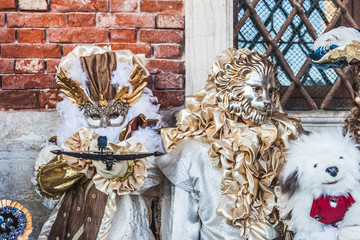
<point x="321" y="179"/>
<point x="225" y="155"/>
<point x="338" y="48"/>
<point x="15" y="221"/>
<point x="108" y="116"/>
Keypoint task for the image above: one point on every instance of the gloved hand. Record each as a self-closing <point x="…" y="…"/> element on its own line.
<point x="118" y="168"/>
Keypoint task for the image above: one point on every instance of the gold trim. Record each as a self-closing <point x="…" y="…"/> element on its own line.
<point x="88" y="189"/>
<point x="129" y="172"/>
<point x="28" y="229"/>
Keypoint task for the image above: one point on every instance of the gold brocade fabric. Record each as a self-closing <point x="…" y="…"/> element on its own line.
<point x="250" y="159"/>
<point x="55" y="178"/>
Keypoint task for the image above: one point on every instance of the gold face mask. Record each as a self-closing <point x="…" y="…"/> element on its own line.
<point x="104" y="106"/>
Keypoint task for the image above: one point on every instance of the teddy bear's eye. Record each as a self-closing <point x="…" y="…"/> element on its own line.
<point x="315" y="166"/>
<point x="341" y="157"/>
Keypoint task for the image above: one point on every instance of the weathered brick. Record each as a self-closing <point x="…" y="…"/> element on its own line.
<point x="167" y="51"/>
<point x="81" y="20"/>
<point x="7" y="4"/>
<point x="68" y="48"/>
<point x="125" y="20"/>
<point x="33" y="5"/>
<point x="31" y="51"/>
<point x="81" y="35"/>
<point x="51" y="65"/>
<point x="31" y="35"/>
<point x="6" y="66"/>
<point x="39" y="20"/>
<point x="134" y="47"/>
<point x="161" y="36"/>
<point x="49" y="98"/>
<point x="170" y="21"/>
<point x="169" y="81"/>
<point x="170" y="98"/>
<point x="18" y="99"/>
<point x="160" y="5"/>
<point x="29" y="66"/>
<point x="123" y="35"/>
<point x="2" y="19"/>
<point x="123" y="5"/>
<point x="7" y="35"/>
<point x="79" y="5"/>
<point x="28" y="81"/>
<point x="165" y="66"/>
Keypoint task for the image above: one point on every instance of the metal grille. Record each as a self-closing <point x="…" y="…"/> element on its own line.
<point x="285" y="30"/>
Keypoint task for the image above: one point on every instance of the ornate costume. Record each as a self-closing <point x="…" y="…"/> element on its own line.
<point x="225" y="154"/>
<point x="105" y="96"/>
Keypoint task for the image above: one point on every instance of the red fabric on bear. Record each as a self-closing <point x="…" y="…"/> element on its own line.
<point x="330" y="209"/>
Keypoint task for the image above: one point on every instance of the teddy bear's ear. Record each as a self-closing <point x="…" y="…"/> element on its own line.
<point x="289" y="182"/>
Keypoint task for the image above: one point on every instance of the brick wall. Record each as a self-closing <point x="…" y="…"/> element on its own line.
<point x="36" y="34"/>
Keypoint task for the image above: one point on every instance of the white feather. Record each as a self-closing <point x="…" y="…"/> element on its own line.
<point x="74" y="118"/>
<point x="340" y="36"/>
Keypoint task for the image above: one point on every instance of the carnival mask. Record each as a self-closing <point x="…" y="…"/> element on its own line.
<point x="246" y="86"/>
<point x="104" y="106"/>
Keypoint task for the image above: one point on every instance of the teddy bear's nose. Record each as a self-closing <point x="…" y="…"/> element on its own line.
<point x="333" y="171"/>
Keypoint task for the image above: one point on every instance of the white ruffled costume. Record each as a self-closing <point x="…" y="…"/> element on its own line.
<point x="127" y="213"/>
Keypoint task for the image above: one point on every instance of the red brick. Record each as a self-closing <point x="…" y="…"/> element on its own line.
<point x="7" y="4"/>
<point x="29" y="66"/>
<point x="79" y="5"/>
<point x="7" y="35"/>
<point x="51" y="65"/>
<point x="81" y="20"/>
<point x="6" y="66"/>
<point x="160" y="5"/>
<point x="165" y="66"/>
<point x="81" y="35"/>
<point x="161" y="36"/>
<point x="169" y="81"/>
<point x="170" y="98"/>
<point x="18" y="99"/>
<point x="123" y="35"/>
<point x="68" y="48"/>
<point x="31" y="35"/>
<point x="49" y="98"/>
<point x="167" y="51"/>
<point x="134" y="47"/>
<point x="31" y="51"/>
<point x="123" y="5"/>
<point x="35" y="20"/>
<point x="170" y="21"/>
<point x="125" y="20"/>
<point x="2" y="19"/>
<point x="28" y="81"/>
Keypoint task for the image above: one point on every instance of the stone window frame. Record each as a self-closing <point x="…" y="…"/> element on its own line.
<point x="209" y="30"/>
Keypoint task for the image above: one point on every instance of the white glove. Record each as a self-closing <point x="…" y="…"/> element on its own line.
<point x="118" y="168"/>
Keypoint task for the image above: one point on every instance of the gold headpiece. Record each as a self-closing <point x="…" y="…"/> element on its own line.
<point x="104" y="105"/>
<point x="76" y="92"/>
